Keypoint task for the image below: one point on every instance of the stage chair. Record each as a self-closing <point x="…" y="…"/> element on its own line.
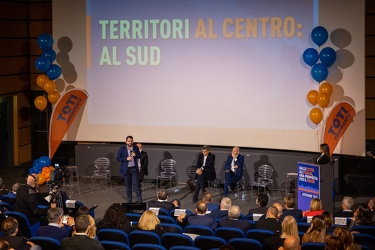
<point x="169" y="240"/>
<point x="245" y="243"/>
<point x="24" y="224"/>
<point x="208" y="242"/>
<point x="110" y="234"/>
<point x="46" y="243"/>
<point x="168" y="172"/>
<point x="101" y="164"/>
<point x="265" y="178"/>
<point x="72" y="182"/>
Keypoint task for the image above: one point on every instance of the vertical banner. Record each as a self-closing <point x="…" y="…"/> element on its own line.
<point x="63" y="115"/>
<point x="337" y="122"/>
<point x="308" y="184"/>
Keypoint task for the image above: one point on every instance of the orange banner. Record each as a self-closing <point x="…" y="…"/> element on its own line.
<point x="337" y="122"/>
<point x="63" y="116"/>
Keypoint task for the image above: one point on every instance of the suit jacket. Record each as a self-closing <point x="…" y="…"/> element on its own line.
<point x="81" y="242"/>
<point x="219" y="214"/>
<point x="323" y="159"/>
<point x="53" y="232"/>
<point x="269" y="224"/>
<point x="296" y="213"/>
<point x="122" y="154"/>
<point x="209" y="168"/>
<point x="258" y="210"/>
<point x="244" y="225"/>
<point x="162" y="204"/>
<point x="212" y="206"/>
<point x="239" y="162"/>
<point x="202" y="220"/>
<point x="348" y="214"/>
<point x="144" y="162"/>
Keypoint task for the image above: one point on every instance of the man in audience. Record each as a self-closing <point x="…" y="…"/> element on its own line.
<point x="270" y="221"/>
<point x="162" y="202"/>
<point x="209" y="202"/>
<point x="81" y="240"/>
<point x="291" y="243"/>
<point x="2" y="187"/>
<point x="234" y="213"/>
<point x="142" y="164"/>
<point x="371" y="205"/>
<point x="279" y="210"/>
<point x="346" y="204"/>
<point x="290" y="209"/>
<point x="200" y="218"/>
<point x="14" y="189"/>
<point x="262" y="202"/>
<point x="225" y="203"/>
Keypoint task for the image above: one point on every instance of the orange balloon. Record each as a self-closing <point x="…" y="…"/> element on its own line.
<point x="53" y="97"/>
<point x="41" y="79"/>
<point x="312" y="97"/>
<point x="44" y="169"/>
<point x="41" y="179"/>
<point x="323" y="100"/>
<point x="326" y="87"/>
<point x="316" y="115"/>
<point x="40" y="103"/>
<point x="51" y="168"/>
<point x="47" y="176"/>
<point x="49" y="86"/>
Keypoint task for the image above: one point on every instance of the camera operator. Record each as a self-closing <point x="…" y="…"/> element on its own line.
<point x="27" y="201"/>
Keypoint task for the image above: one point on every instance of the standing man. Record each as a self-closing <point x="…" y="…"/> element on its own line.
<point x="233" y="169"/>
<point x="205" y="170"/>
<point x="128" y="155"/>
<point x="142" y="164"/>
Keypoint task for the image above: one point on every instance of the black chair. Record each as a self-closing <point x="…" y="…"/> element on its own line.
<point x="245" y="243"/>
<point x="200" y="230"/>
<point x="110" y="234"/>
<point x="46" y="243"/>
<point x="169" y="240"/>
<point x="146" y="246"/>
<point x="139" y="236"/>
<point x="313" y="246"/>
<point x="228" y="233"/>
<point x="259" y="234"/>
<point x="113" y="245"/>
<point x="208" y="242"/>
<point x="24" y="224"/>
<point x="171" y="228"/>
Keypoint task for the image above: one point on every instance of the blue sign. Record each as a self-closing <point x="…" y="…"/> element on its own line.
<point x="308" y="184"/>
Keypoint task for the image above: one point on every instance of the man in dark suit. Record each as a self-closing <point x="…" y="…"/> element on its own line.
<point x="270" y="221"/>
<point x="142" y="164"/>
<point x="346" y="204"/>
<point x="233" y="169"/>
<point x="162" y="201"/>
<point x="205" y="170"/>
<point x="234" y="213"/>
<point x="225" y="204"/>
<point x="290" y="210"/>
<point x="198" y="219"/>
<point x="262" y="202"/>
<point x="128" y="155"/>
<point x="80" y="240"/>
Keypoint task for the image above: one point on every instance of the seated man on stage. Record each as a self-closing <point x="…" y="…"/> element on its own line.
<point x="205" y="170"/>
<point x="233" y="169"/>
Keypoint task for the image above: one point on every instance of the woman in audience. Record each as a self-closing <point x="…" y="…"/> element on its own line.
<point x="334" y="243"/>
<point x="317" y="231"/>
<point x="347" y="238"/>
<point x="362" y="216"/>
<point x="288" y="228"/>
<point x="316" y="208"/>
<point x="149" y="222"/>
<point x="115" y="218"/>
<point x="328" y="219"/>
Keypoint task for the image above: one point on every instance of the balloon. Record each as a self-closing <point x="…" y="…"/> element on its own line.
<point x="327" y="56"/>
<point x="41" y="79"/>
<point x="323" y="100"/>
<point x="41" y="179"/>
<point x="49" y="86"/>
<point x="47" y="176"/>
<point x="319" y="72"/>
<point x="53" y="97"/>
<point x="326" y="87"/>
<point x="312" y="97"/>
<point x="319" y="35"/>
<point x="50" y="54"/>
<point x="44" y="161"/>
<point x="46" y="169"/>
<point x="42" y="64"/>
<point x="40" y="103"/>
<point x="53" y="72"/>
<point x="45" y="41"/>
<point x="316" y="115"/>
<point x="310" y="56"/>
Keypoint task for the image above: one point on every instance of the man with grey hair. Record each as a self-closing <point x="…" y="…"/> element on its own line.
<point x="55" y="228"/>
<point x="225" y="203"/>
<point x="234" y="213"/>
<point x="346" y="204"/>
<point x="270" y="221"/>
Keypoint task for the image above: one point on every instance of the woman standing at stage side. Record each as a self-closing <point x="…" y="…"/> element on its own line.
<point x="325" y="156"/>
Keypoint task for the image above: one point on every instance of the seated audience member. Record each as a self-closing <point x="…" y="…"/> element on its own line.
<point x="261" y="201"/>
<point x="80" y="240"/>
<point x="371" y="205"/>
<point x="91" y="232"/>
<point x="207" y="197"/>
<point x="316" y="208"/>
<point x="317" y="231"/>
<point x="149" y="222"/>
<point x="270" y="221"/>
<point x="279" y="210"/>
<point x="200" y="218"/>
<point x="346" y="204"/>
<point x="115" y="218"/>
<point x="9" y="228"/>
<point x="334" y="243"/>
<point x="162" y="201"/>
<point x="290" y="209"/>
<point x="328" y="219"/>
<point x="234" y="213"/>
<point x="291" y="243"/>
<point x="347" y="238"/>
<point x="362" y="217"/>
<point x="55" y="228"/>
<point x="225" y="203"/>
<point x="288" y="228"/>
<point x="2" y="187"/>
<point x="14" y="189"/>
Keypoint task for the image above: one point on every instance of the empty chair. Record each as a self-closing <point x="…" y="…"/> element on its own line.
<point x="168" y="173"/>
<point x="265" y="178"/>
<point x="200" y="230"/>
<point x="169" y="240"/>
<point x="171" y="228"/>
<point x="245" y="243"/>
<point x="46" y="243"/>
<point x="313" y="246"/>
<point x="140" y="236"/>
<point x="166" y="219"/>
<point x="148" y="246"/>
<point x="113" y="235"/>
<point x="114" y="245"/>
<point x="208" y="242"/>
<point x="24" y="224"/>
<point x="228" y="233"/>
<point x="259" y="234"/>
<point x="101" y="171"/>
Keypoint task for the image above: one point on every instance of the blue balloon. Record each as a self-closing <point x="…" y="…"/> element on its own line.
<point x="327" y="56"/>
<point x="35" y="163"/>
<point x="44" y="161"/>
<point x="45" y="41"/>
<point x="319" y="72"/>
<point x="42" y="64"/>
<point x="49" y="54"/>
<point x="53" y="72"/>
<point x="310" y="56"/>
<point x="319" y="35"/>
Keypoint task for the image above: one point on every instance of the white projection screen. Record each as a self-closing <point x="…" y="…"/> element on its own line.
<point x="217" y="72"/>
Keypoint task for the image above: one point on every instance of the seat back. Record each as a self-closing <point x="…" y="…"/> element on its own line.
<point x="183" y="248"/>
<point x="364" y="229"/>
<point x="6" y="206"/>
<point x="303" y="226"/>
<point x="46" y="243"/>
<point x="171" y="228"/>
<point x="114" y="245"/>
<point x="365" y="239"/>
<point x="259" y="234"/>
<point x="208" y="242"/>
<point x="147" y="246"/>
<point x="139" y="236"/>
<point x="166" y="219"/>
<point x="200" y="230"/>
<point x="313" y="246"/>
<point x="169" y="240"/>
<point x="113" y="235"/>
<point x="133" y="217"/>
<point x="245" y="243"/>
<point x="228" y="233"/>
<point x="24" y="224"/>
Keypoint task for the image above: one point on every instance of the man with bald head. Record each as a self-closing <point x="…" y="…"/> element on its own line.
<point x="291" y="243"/>
<point x="270" y="221"/>
<point x="233" y="170"/>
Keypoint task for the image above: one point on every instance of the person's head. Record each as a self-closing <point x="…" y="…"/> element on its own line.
<point x="139" y="145"/>
<point x="92" y="229"/>
<point x="272" y="212"/>
<point x="205" y="150"/>
<point x="347" y="203"/>
<point x="2" y="184"/>
<point x="289" y="227"/>
<point x="345" y="235"/>
<point x="328" y="218"/>
<point x="235" y="151"/>
<point x="234" y="212"/>
<point x="316" y="204"/>
<point x="82" y="210"/>
<point x="4" y="245"/>
<point x="9" y="226"/>
<point x="262" y="200"/>
<point x="15" y="187"/>
<point x="82" y="223"/>
<point x="225" y="203"/>
<point x="115" y="217"/>
<point x="279" y="209"/>
<point x="148" y="221"/>
<point x="317" y="230"/>
<point x="289" y="202"/>
<point x="334" y="243"/>
<point x="162" y="194"/>
<point x="207" y="197"/>
<point x="291" y="243"/>
<point x="129" y="141"/>
<point x="363" y="215"/>
<point x="55" y="215"/>
<point x="32" y="180"/>
<point x="201" y="207"/>
<point x="324" y="148"/>
<point x="371" y="203"/>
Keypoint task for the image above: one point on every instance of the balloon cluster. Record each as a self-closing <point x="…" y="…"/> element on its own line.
<point x="319" y="62"/>
<point x="52" y="72"/>
<point x="42" y="168"/>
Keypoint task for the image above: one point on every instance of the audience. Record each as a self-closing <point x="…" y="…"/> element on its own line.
<point x="316" y="208"/>
<point x="328" y="219"/>
<point x="207" y="197"/>
<point x="225" y="203"/>
<point x="91" y="232"/>
<point x="149" y="222"/>
<point x="362" y="217"/>
<point x="162" y="201"/>
<point x="316" y="232"/>
<point x="288" y="228"/>
<point x="261" y="201"/>
<point x="371" y="205"/>
<point x="234" y="213"/>
<point x="347" y="238"/>
<point x="270" y="221"/>
<point x="346" y="204"/>
<point x="290" y="209"/>
<point x="199" y="218"/>
<point x="115" y="218"/>
<point x="334" y="243"/>
<point x="279" y="210"/>
<point x="291" y="243"/>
